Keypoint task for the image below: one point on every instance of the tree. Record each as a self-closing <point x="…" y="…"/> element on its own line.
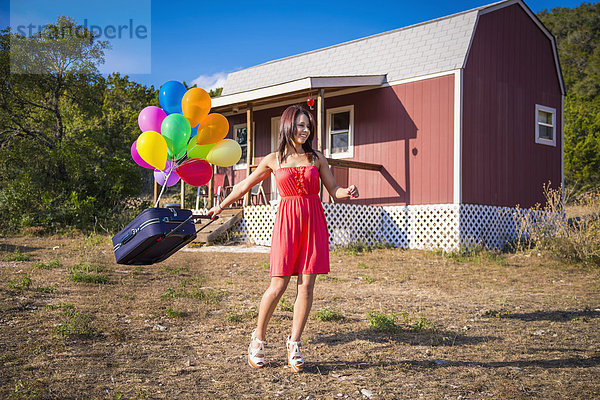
<point x="64" y="147"/>
<point x="577" y="33"/>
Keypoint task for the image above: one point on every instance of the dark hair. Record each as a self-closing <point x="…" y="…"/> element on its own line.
<point x="287" y="130"/>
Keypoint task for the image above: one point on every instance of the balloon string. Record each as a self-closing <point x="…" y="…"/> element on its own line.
<point x="165" y="183"/>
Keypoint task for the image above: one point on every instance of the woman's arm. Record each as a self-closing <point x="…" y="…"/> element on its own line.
<point x="329" y="181"/>
<point x="239" y="189"/>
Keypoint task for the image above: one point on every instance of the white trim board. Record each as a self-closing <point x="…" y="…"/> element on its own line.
<point x="458" y="107"/>
<point x="302" y="98"/>
<point x="297" y="85"/>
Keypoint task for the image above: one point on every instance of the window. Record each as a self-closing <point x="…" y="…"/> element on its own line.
<point x="340" y="132"/>
<point x="240" y="135"/>
<point x="545" y="125"/>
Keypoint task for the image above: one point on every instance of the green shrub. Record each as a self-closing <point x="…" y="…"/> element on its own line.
<point x="382" y="322"/>
<point x="234" y="317"/>
<point x="74" y="324"/>
<point x="285" y="305"/>
<point x="88" y="273"/>
<point x="47" y="265"/>
<point x="16" y="255"/>
<point x="173" y="313"/>
<point x="422" y="324"/>
<point x="24" y="282"/>
<point x="327" y="314"/>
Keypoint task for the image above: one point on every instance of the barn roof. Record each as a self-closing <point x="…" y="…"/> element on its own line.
<point x="430" y="47"/>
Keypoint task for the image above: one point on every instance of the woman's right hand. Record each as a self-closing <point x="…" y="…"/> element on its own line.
<point x="213" y="212"/>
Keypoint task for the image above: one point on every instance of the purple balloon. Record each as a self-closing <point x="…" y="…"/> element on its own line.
<point x="150" y="119"/>
<point x="160" y="176"/>
<point x="136" y="157"/>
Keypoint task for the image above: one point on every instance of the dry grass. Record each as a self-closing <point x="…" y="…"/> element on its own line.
<point x="514" y="326"/>
<point x="571" y="233"/>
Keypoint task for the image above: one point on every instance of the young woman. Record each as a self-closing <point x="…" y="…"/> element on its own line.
<point x="300" y="244"/>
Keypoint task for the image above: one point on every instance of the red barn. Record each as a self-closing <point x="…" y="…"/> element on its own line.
<point x="458" y="113"/>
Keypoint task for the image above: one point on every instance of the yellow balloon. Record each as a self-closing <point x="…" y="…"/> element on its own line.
<point x="212" y="129"/>
<point x="152" y="147"/>
<point x="195" y="105"/>
<point x="225" y="153"/>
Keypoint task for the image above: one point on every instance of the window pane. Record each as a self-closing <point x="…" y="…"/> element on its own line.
<point x="545" y="117"/>
<point x="341" y="121"/>
<point x="339" y="143"/>
<point x="546" y="132"/>
<point x="241" y="136"/>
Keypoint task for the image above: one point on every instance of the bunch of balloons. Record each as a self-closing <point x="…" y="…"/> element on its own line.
<point x="180" y="139"/>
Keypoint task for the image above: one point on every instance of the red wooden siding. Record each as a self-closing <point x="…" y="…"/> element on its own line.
<point x="407" y="128"/>
<point x="510" y="69"/>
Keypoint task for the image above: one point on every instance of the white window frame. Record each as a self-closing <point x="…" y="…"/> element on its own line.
<point x="350" y="152"/>
<point x="538" y="139"/>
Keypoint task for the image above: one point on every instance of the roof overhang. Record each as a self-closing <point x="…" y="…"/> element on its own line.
<point x="309" y="83"/>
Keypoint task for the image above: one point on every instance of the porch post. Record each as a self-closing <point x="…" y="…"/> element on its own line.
<point x="249" y="148"/>
<point x="211" y="189"/>
<point x="320" y="119"/>
<point x="155" y="192"/>
<point x="182" y="193"/>
<point x="320" y="127"/>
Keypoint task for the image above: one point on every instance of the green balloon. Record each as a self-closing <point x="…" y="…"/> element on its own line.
<point x="177" y="155"/>
<point x="198" y="150"/>
<point x="176" y="130"/>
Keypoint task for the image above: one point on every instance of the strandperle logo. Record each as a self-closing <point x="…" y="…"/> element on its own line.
<point x="130" y="30"/>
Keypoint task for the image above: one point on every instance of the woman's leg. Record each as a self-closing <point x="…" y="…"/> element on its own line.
<point x="269" y="302"/>
<point x="304" y="299"/>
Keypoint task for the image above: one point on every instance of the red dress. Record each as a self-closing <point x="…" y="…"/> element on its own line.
<point x="300" y="242"/>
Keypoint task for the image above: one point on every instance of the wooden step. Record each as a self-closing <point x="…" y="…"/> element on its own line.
<point x="227" y="219"/>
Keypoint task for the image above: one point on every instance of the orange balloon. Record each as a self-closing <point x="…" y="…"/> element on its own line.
<point x="195" y="105"/>
<point x="212" y="129"/>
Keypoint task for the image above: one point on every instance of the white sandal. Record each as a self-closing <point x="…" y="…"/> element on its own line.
<point x="295" y="360"/>
<point x="256" y="355"/>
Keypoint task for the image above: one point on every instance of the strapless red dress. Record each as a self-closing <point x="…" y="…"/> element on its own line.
<point x="300" y="242"/>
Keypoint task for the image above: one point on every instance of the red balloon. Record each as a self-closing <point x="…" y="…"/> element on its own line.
<point x="196" y="172"/>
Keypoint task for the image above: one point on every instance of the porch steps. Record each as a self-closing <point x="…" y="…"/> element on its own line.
<point x="227" y="219"/>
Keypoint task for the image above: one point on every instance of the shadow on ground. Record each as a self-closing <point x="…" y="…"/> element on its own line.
<point x="555" y="315"/>
<point x="406" y="336"/>
<point x="331" y="366"/>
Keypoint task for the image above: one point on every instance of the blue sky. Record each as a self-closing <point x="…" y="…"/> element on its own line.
<point x="202" y="41"/>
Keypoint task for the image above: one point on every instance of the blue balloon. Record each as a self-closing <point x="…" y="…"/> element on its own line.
<point x="194" y="131"/>
<point x="170" y="95"/>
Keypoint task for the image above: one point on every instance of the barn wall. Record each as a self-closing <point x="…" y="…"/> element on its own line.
<point x="510" y="69"/>
<point x="407" y="128"/>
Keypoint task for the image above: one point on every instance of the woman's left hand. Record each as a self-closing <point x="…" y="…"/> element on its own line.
<point x="352" y="191"/>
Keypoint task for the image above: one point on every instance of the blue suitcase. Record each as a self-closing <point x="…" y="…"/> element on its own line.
<point x="155" y="234"/>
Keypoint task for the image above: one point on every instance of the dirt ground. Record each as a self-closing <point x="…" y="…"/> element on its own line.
<point x="510" y="326"/>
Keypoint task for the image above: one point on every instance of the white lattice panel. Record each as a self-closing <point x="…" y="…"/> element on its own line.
<point x="439" y="226"/>
<point x="259" y="221"/>
<point x="349" y="223"/>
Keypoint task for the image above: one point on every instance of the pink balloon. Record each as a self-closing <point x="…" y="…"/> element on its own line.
<point x="161" y="176"/>
<point x="196" y="172"/>
<point x="136" y="157"/>
<point x="151" y="118"/>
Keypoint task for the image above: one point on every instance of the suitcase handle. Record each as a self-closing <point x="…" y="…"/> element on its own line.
<point x="189" y="218"/>
<point x="129" y="236"/>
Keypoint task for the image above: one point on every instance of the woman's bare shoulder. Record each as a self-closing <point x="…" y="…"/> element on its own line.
<point x="270" y="160"/>
<point x="321" y="160"/>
